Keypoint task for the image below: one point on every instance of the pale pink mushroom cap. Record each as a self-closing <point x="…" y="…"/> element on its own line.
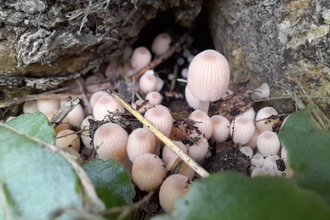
<point x="161" y="118"/>
<point x="154" y="98"/>
<point x="191" y="100"/>
<point x="198" y="150"/>
<point x="266" y="125"/>
<point x="46" y="105"/>
<point x="96" y="96"/>
<point x="104" y="105"/>
<point x="203" y="122"/>
<point x="242" y="129"/>
<point x="148" y="172"/>
<point x="140" y="141"/>
<point x="209" y="75"/>
<point x="173" y="188"/>
<point x="268" y="143"/>
<point x="140" y="58"/>
<point x="110" y="141"/>
<point x="221" y="128"/>
<point x="161" y="43"/>
<point x="68" y="138"/>
<point x="148" y="82"/>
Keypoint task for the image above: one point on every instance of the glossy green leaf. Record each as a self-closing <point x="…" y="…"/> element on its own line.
<point x="112" y="182"/>
<point x="34" y="181"/>
<point x="308" y="150"/>
<point x="232" y="196"/>
<point x="35" y="125"/>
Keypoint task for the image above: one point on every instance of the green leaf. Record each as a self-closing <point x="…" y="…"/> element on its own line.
<point x="35" y="125"/>
<point x="308" y="150"/>
<point x="233" y="196"/>
<point x="112" y="182"/>
<point x="33" y="180"/>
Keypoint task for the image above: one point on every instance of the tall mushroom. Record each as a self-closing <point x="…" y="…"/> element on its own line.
<point x="208" y="77"/>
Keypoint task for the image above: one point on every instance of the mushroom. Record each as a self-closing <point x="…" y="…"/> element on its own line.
<point x="264" y="124"/>
<point x="104" y="105"/>
<point x="193" y="102"/>
<point x="203" y="122"/>
<point x="220" y="128"/>
<point x="161" y="43"/>
<point x="242" y="129"/>
<point x="261" y="93"/>
<point x="30" y="107"/>
<point x="148" y="82"/>
<point x="96" y="96"/>
<point x="208" y="77"/>
<point x="199" y="149"/>
<point x="140" y="141"/>
<point x="67" y="138"/>
<point x="168" y="154"/>
<point x="148" y="172"/>
<point x="141" y="57"/>
<point x="46" y="105"/>
<point x="268" y="143"/>
<point x="173" y="188"/>
<point x="154" y="98"/>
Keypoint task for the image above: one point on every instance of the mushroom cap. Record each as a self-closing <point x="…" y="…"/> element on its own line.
<point x="203" y="122"/>
<point x="168" y="154"/>
<point x="257" y="160"/>
<point x="76" y="115"/>
<point x="141" y="106"/>
<point x="185" y="169"/>
<point x="110" y="141"/>
<point x="268" y="143"/>
<point x="141" y="57"/>
<point x="154" y="98"/>
<point x="261" y="93"/>
<point x="242" y="129"/>
<point x="68" y="138"/>
<point x="148" y="82"/>
<point x="266" y="125"/>
<point x="104" y="105"/>
<point x="140" y="141"/>
<point x="247" y="151"/>
<point x="30" y="107"/>
<point x="161" y="43"/>
<point x="148" y="172"/>
<point x="220" y="128"/>
<point x="173" y="188"/>
<point x="209" y="75"/>
<point x="46" y="105"/>
<point x="198" y="150"/>
<point x="192" y="100"/>
<point x="161" y="118"/>
<point x="96" y="96"/>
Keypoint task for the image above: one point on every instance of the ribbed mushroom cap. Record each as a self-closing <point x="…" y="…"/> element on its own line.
<point x="110" y="141"/>
<point x="203" y="122"/>
<point x="161" y="118"/>
<point x="67" y="138"/>
<point x="268" y="143"/>
<point x="76" y="115"/>
<point x="262" y="123"/>
<point x="253" y="140"/>
<point x="140" y="141"/>
<point x="148" y="172"/>
<point x="161" y="43"/>
<point x="140" y="58"/>
<point x="209" y="75"/>
<point x="104" y="105"/>
<point x="173" y="188"/>
<point x="198" y="150"/>
<point x="96" y="96"/>
<point x="242" y="129"/>
<point x="220" y="128"/>
<point x="185" y="169"/>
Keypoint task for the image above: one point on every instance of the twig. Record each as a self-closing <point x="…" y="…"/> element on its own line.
<point x="195" y="166"/>
<point x="87" y="105"/>
<point x="65" y="110"/>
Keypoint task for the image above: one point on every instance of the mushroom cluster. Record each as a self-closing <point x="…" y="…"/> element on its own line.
<point x="107" y="131"/>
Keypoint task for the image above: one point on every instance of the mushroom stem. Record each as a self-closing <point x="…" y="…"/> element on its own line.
<point x="204" y="106"/>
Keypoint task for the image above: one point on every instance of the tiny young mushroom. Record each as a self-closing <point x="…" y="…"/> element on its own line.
<point x="208" y="77"/>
